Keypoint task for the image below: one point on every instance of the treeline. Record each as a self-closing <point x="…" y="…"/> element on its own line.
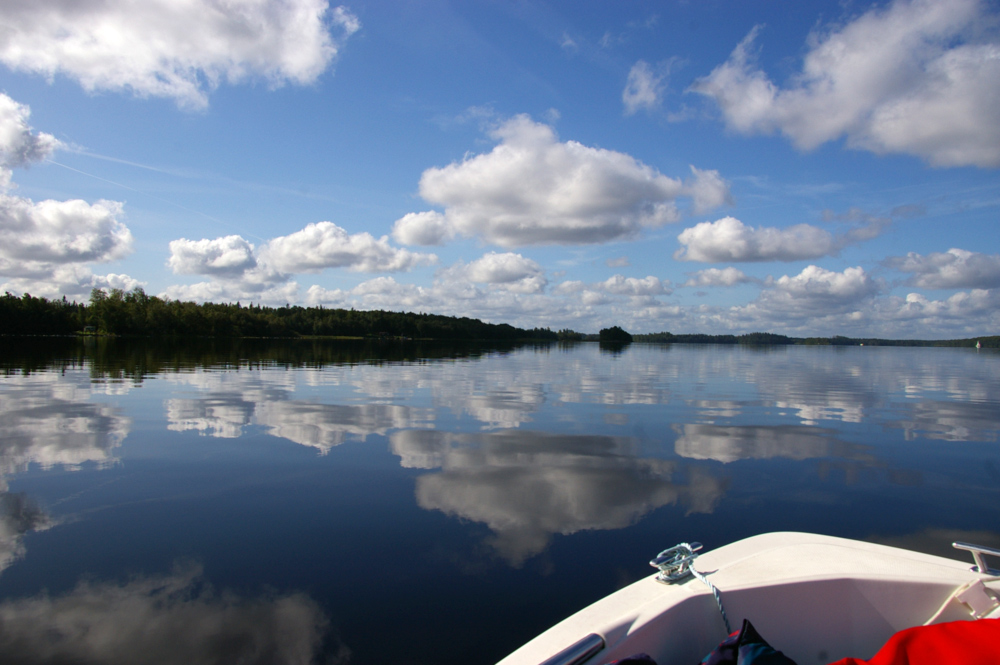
<point x="772" y="339"/>
<point x="761" y="338"/>
<point x="134" y="313"/>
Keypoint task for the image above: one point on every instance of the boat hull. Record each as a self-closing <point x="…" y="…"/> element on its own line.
<point x="816" y="598"/>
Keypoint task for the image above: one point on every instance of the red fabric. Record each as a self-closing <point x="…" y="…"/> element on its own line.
<point x="953" y="643"/>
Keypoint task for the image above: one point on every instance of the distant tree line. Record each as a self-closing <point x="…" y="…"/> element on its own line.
<point x="134" y="313"/>
<point x="772" y="339"/>
<point x="567" y="335"/>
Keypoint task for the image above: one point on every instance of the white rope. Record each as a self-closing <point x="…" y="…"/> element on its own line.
<point x="718" y="597"/>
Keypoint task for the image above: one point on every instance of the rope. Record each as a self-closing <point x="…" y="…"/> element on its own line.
<point x="718" y="597"/>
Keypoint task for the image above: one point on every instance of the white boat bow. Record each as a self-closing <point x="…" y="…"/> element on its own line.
<point x="816" y="598"/>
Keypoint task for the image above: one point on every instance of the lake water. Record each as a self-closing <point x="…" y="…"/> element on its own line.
<point x="399" y="503"/>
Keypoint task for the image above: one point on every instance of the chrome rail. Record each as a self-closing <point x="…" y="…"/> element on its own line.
<point x="978" y="551"/>
<point x="577" y="652"/>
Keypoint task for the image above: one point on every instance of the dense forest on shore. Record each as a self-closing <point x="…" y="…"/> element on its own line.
<point x="136" y="314"/>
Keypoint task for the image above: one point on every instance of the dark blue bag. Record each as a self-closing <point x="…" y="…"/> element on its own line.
<point x="746" y="647"/>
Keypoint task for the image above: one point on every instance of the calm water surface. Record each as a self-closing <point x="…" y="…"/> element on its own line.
<point x="342" y="503"/>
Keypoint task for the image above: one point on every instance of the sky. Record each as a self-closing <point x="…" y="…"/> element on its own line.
<point x="820" y="168"/>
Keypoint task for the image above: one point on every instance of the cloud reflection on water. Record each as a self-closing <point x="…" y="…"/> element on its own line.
<point x="165" y="619"/>
<point x="324" y="426"/>
<point x="234" y="400"/>
<point x="501" y="408"/>
<point x="220" y="415"/>
<point x="795" y="442"/>
<point x="516" y="490"/>
<point x="833" y="389"/>
<point x="18" y="516"/>
<point x="528" y="486"/>
<point x="853" y="385"/>
<point x="807" y="386"/>
<point x="48" y="421"/>
<point x="951" y="421"/>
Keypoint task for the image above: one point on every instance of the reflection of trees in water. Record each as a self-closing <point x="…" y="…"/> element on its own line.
<point x="528" y="486"/>
<point x="137" y="358"/>
<point x="174" y="618"/>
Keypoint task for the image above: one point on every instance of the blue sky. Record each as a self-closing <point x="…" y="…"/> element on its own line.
<point x="799" y="168"/>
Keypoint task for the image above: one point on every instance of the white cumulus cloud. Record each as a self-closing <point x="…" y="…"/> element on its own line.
<point x="643" y="89"/>
<point x="45" y="245"/>
<point x="632" y="286"/>
<point x="980" y="307"/>
<point x="954" y="269"/>
<point x="19" y="145"/>
<point x="422" y="228"/>
<point x="326" y="245"/>
<point x="715" y="277"/>
<point x="238" y="274"/>
<point x="963" y="314"/>
<point x="72" y="280"/>
<point x="511" y="270"/>
<point x="569" y="286"/>
<point x="708" y="190"/>
<point x="36" y="238"/>
<point x="166" y="48"/>
<point x="817" y="284"/>
<point x="812" y="302"/>
<point x="247" y="290"/>
<point x="914" y="77"/>
<point x="228" y="256"/>
<point x="729" y="239"/>
<point x="508" y="272"/>
<point x="533" y="189"/>
<point x="241" y="273"/>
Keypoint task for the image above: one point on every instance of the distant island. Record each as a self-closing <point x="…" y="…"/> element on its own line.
<point x="135" y="313"/>
<point x="614" y="335"/>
